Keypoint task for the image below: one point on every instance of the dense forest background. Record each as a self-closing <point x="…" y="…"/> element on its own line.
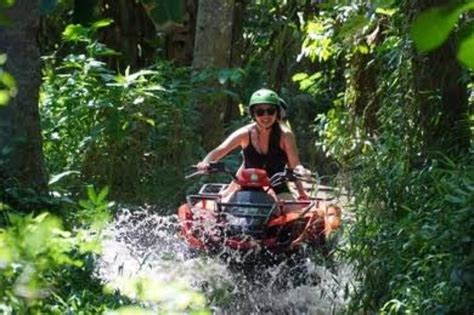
<point x="105" y="100"/>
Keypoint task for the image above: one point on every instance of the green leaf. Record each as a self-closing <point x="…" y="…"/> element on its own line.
<point x="4" y="207"/>
<point x="8" y="80"/>
<point x="233" y="75"/>
<point x="130" y="78"/>
<point x="466" y="51"/>
<point x="150" y="121"/>
<point x="433" y="26"/>
<point x="91" y="193"/>
<point x="75" y="33"/>
<point x="105" y="51"/>
<point x="6" y="3"/>
<point x="85" y="204"/>
<point x="353" y="26"/>
<point x="384" y="11"/>
<point x="164" y="13"/>
<point x="103" y="193"/>
<point x="56" y="178"/>
<point x="362" y="48"/>
<point x="155" y="87"/>
<point x="41" y="217"/>
<point x="101" y="23"/>
<point x="5" y="254"/>
<point x="4" y="97"/>
<point x="138" y="100"/>
<point x="299" y="76"/>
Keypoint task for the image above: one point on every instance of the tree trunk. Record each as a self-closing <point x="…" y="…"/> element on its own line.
<point x="20" y="131"/>
<point x="365" y="69"/>
<point x="364" y="83"/>
<point x="132" y="33"/>
<point x="236" y="59"/>
<point x="180" y="41"/>
<point x="213" y="48"/>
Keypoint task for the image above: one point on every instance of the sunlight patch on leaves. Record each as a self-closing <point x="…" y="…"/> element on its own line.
<point x="318" y="44"/>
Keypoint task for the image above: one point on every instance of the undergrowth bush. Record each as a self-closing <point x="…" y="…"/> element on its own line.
<point x="132" y="131"/>
<point x="411" y="244"/>
<point x="47" y="267"/>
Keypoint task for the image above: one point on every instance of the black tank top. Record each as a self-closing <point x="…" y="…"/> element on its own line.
<point x="273" y="161"/>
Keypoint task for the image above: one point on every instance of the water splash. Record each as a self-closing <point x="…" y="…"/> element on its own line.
<point x="141" y="243"/>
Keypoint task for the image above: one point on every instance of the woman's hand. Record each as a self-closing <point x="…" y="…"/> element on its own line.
<point x="303" y="196"/>
<point x="202" y="166"/>
<point x="302" y="171"/>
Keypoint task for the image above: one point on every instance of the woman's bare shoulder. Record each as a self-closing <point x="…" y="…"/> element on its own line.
<point x="244" y="130"/>
<point x="241" y="134"/>
<point x="286" y="131"/>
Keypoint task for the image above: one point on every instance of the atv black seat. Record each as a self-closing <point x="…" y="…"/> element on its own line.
<point x="249" y="188"/>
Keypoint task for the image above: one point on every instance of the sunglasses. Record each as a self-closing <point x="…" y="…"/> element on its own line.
<point x="262" y="111"/>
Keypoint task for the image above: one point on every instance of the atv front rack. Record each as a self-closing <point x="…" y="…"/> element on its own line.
<point x="212" y="189"/>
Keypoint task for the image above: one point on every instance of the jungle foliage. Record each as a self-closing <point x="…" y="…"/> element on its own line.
<point x="413" y="197"/>
<point x="122" y="130"/>
<point x="381" y="101"/>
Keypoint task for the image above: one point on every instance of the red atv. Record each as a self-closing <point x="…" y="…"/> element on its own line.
<point x="249" y="215"/>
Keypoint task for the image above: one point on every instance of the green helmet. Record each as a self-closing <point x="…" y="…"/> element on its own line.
<point x="264" y="96"/>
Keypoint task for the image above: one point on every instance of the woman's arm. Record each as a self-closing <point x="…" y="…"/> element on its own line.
<point x="289" y="145"/>
<point x="236" y="139"/>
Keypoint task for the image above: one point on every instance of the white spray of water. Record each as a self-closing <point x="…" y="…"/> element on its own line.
<point x="143" y="244"/>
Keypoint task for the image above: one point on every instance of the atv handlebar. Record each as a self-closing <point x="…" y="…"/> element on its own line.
<point x="291" y="176"/>
<point x="214" y="167"/>
<point x="278" y="178"/>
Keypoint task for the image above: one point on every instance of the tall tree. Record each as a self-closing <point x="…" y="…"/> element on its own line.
<point x="20" y="131"/>
<point x="213" y="48"/>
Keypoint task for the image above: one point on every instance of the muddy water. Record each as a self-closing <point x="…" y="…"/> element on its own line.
<point x="141" y="243"/>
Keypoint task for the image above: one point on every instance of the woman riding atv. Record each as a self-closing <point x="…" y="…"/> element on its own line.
<point x="266" y="143"/>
